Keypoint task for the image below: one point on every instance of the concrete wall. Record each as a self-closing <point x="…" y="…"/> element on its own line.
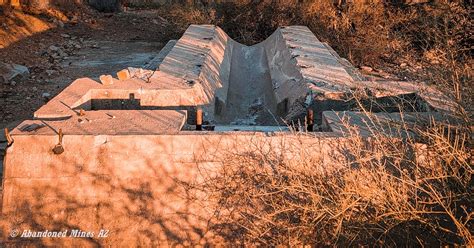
<point x="133" y="186"/>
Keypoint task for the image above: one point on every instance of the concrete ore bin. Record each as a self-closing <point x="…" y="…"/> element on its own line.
<point x="123" y="170"/>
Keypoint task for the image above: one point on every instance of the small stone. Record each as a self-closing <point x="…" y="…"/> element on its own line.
<point x="65" y="36"/>
<point x="53" y="48"/>
<point x="12" y="83"/>
<point x="123" y="74"/>
<point x="34" y="89"/>
<point x="50" y="72"/>
<point x="106" y="79"/>
<point x="60" y="24"/>
<point x="62" y="53"/>
<point x="46" y="95"/>
<point x="366" y="68"/>
<point x="74" y="20"/>
<point x="403" y="64"/>
<point x="77" y="46"/>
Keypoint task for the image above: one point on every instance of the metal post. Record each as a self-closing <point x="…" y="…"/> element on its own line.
<point x="58" y="149"/>
<point x="309" y="120"/>
<point x="199" y="119"/>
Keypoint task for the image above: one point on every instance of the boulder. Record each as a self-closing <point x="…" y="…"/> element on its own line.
<point x="13" y="72"/>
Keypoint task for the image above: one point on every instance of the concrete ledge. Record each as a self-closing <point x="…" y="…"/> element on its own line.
<point x="109" y="122"/>
<point x="398" y="125"/>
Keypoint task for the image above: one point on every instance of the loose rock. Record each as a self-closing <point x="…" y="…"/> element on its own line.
<point x="13" y="72"/>
<point x="50" y="72"/>
<point x="106" y="79"/>
<point x="53" y="48"/>
<point x="123" y="74"/>
<point x="366" y="68"/>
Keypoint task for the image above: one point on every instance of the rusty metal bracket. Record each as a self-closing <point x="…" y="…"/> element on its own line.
<point x="58" y="149"/>
<point x="9" y="138"/>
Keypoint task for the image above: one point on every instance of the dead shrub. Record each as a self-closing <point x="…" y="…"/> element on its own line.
<point x="387" y="191"/>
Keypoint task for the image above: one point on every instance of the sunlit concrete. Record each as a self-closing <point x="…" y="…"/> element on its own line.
<point x="128" y="156"/>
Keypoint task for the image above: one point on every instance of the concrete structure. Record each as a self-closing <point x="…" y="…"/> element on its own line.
<point x="128" y="150"/>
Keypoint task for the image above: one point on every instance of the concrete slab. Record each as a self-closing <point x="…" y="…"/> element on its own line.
<point x="435" y="99"/>
<point x="251" y="128"/>
<point x="110" y="122"/>
<point x="348" y="123"/>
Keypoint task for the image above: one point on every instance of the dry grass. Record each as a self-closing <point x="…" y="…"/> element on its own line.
<point x="387" y="191"/>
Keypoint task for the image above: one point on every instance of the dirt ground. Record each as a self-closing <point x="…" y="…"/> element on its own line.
<point x="99" y="44"/>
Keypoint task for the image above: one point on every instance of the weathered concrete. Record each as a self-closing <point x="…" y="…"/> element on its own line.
<point x="128" y="161"/>
<point x="205" y="63"/>
<point x="236" y="84"/>
<point x="111" y="122"/>
<point x="132" y="185"/>
<point x="154" y="64"/>
<point x="347" y="123"/>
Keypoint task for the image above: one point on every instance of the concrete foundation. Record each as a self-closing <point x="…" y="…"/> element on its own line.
<point x="128" y="152"/>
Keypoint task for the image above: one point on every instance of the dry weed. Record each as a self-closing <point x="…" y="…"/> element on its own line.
<point x="387" y="191"/>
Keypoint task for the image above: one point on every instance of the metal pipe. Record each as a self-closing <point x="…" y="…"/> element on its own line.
<point x="309" y="120"/>
<point x="58" y="149"/>
<point x="199" y="119"/>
